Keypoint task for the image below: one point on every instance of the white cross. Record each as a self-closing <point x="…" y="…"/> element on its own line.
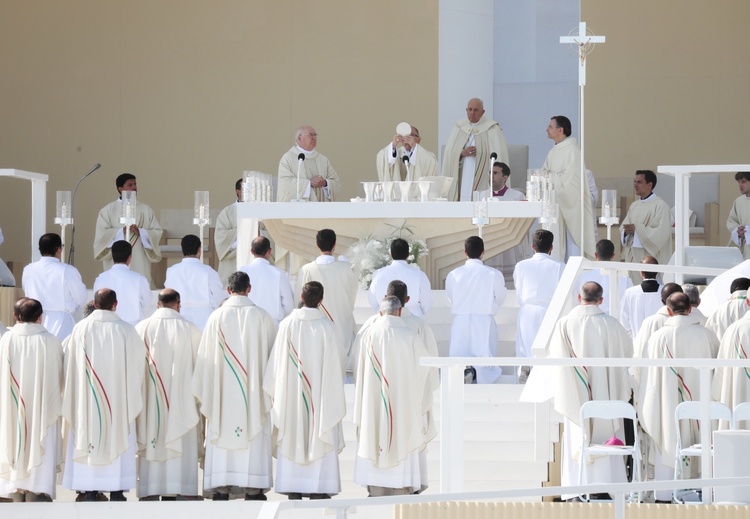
<point x="582" y="39"/>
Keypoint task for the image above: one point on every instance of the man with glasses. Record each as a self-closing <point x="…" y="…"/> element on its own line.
<point x="390" y="160"/>
<point x="318" y="180"/>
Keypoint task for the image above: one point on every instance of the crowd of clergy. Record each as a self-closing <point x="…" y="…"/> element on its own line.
<point x="236" y="367"/>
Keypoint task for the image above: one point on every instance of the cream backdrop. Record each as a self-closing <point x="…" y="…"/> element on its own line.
<point x="188" y="93"/>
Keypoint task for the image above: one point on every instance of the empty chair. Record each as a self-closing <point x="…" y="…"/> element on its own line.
<point x="741" y="412"/>
<point x="608" y="410"/>
<point x="692" y="411"/>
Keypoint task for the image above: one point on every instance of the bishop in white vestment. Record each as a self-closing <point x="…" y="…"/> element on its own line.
<point x="31" y="382"/>
<point x="145" y="233"/>
<point x="468" y="152"/>
<point x="228" y="383"/>
<point x="169" y="423"/>
<point x="304" y="380"/>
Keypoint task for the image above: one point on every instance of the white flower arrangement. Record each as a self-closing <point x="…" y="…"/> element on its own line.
<point x="370" y="254"/>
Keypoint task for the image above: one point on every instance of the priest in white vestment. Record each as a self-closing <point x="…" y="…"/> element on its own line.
<point x="730" y="310"/>
<point x="420" y="301"/>
<point x="318" y="180"/>
<point x="731" y="386"/>
<point x="641" y="301"/>
<point x="228" y="383"/>
<point x="134" y="300"/>
<point x="476" y="293"/>
<point x="31" y="382"/>
<point x="646" y="229"/>
<point x="564" y="164"/>
<point x="694" y="293"/>
<point x="390" y="405"/>
<point x="586" y="332"/>
<point x="738" y="221"/>
<point x="662" y="389"/>
<point x="225" y="236"/>
<point x="271" y="289"/>
<point x="306" y="385"/>
<point x="718" y="290"/>
<point x="535" y="280"/>
<point x="169" y="423"/>
<point x="405" y="159"/>
<point x="468" y="151"/>
<point x="57" y="286"/>
<point x="201" y="291"/>
<point x="105" y="366"/>
<point x="605" y="251"/>
<point x="340" y="284"/>
<point x="145" y="233"/>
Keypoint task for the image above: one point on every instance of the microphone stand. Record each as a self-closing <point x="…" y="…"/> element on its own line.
<point x="71" y="253"/>
<point x="300" y="160"/>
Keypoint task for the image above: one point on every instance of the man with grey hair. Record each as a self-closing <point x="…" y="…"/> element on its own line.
<point x="468" y="151"/>
<point x="387" y="464"/>
<point x="694" y="294"/>
<point x="586" y="332"/>
<point x="318" y="180"/>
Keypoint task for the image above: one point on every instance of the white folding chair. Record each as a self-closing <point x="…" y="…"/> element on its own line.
<point x="608" y="410"/>
<point x="692" y="411"/>
<point x="741" y="412"/>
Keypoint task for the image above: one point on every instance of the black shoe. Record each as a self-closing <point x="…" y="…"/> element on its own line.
<point x="256" y="497"/>
<point x="218" y="496"/>
<point x="90" y="496"/>
<point x="320" y="496"/>
<point x="169" y="498"/>
<point x="294" y="496"/>
<point x="117" y="496"/>
<point x="470" y="375"/>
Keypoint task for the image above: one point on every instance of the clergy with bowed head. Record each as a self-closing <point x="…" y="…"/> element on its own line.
<point x="646" y="229"/>
<point x="476" y="293"/>
<point x="228" y="382"/>
<point x="469" y="149"/>
<point x="641" y="301"/>
<point x="305" y="382"/>
<point x="340" y="283"/>
<point x="739" y="216"/>
<point x="225" y="236"/>
<point x="694" y="294"/>
<point x="105" y="366"/>
<point x="133" y="295"/>
<point x="31" y="383"/>
<point x="421" y="300"/>
<point x="271" y="288"/>
<point x="661" y="389"/>
<point x="564" y="164"/>
<point x="392" y="160"/>
<point x="731" y="310"/>
<point x="586" y="332"/>
<point x="200" y="288"/>
<point x="170" y="422"/>
<point x="318" y="180"/>
<point x="389" y="463"/>
<point x="500" y="190"/>
<point x="57" y="286"/>
<point x="145" y="233"/>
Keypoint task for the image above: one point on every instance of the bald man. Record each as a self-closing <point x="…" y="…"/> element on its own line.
<point x="318" y="180"/>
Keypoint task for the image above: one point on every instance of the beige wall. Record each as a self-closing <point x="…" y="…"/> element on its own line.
<point x="669" y="86"/>
<point x="188" y="93"/>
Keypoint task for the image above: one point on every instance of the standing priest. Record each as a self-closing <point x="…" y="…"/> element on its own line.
<point x="318" y="180"/>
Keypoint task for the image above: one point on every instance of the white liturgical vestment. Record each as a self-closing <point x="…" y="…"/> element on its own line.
<point x="422" y="163"/>
<point x="731" y="386"/>
<point x="145" y="246"/>
<point x="535" y="280"/>
<point x="228" y="383"/>
<point x="134" y="300"/>
<point x="168" y="462"/>
<point x="225" y="241"/>
<point x="602" y="277"/>
<point x="31" y="381"/>
<point x="653" y="232"/>
<point x="729" y="312"/>
<point x="60" y="290"/>
<point x="739" y="216"/>
<point x="417" y="286"/>
<point x="306" y="384"/>
<point x="201" y="291"/>
<point x="476" y="293"/>
<point x="270" y="288"/>
<point x="639" y="302"/>
<point x="315" y="164"/>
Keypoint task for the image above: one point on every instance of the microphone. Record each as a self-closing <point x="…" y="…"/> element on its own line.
<point x="405" y="158"/>
<point x="301" y="156"/>
<point x="72" y="206"/>
<point x="493" y="156"/>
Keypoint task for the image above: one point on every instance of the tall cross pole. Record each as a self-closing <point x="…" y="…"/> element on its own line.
<point x="585" y="42"/>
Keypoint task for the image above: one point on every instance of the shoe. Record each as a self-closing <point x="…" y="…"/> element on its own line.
<point x="90" y="496"/>
<point x="169" y="498"/>
<point x="149" y="498"/>
<point x="523" y="374"/>
<point x="257" y="497"/>
<point x="470" y="375"/>
<point x="320" y="496"/>
<point x="294" y="496"/>
<point x="117" y="496"/>
<point x="218" y="496"/>
<point x="188" y="498"/>
<point x="32" y="497"/>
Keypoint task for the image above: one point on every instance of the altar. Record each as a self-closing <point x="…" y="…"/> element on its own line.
<point x="442" y="225"/>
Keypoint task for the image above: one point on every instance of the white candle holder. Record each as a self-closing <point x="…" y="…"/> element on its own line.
<point x="610" y="214"/>
<point x="63" y="216"/>
<point x="201" y="214"/>
<point x="480" y="218"/>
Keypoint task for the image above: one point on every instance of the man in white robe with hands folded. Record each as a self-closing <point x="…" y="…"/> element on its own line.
<point x="318" y="180"/>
